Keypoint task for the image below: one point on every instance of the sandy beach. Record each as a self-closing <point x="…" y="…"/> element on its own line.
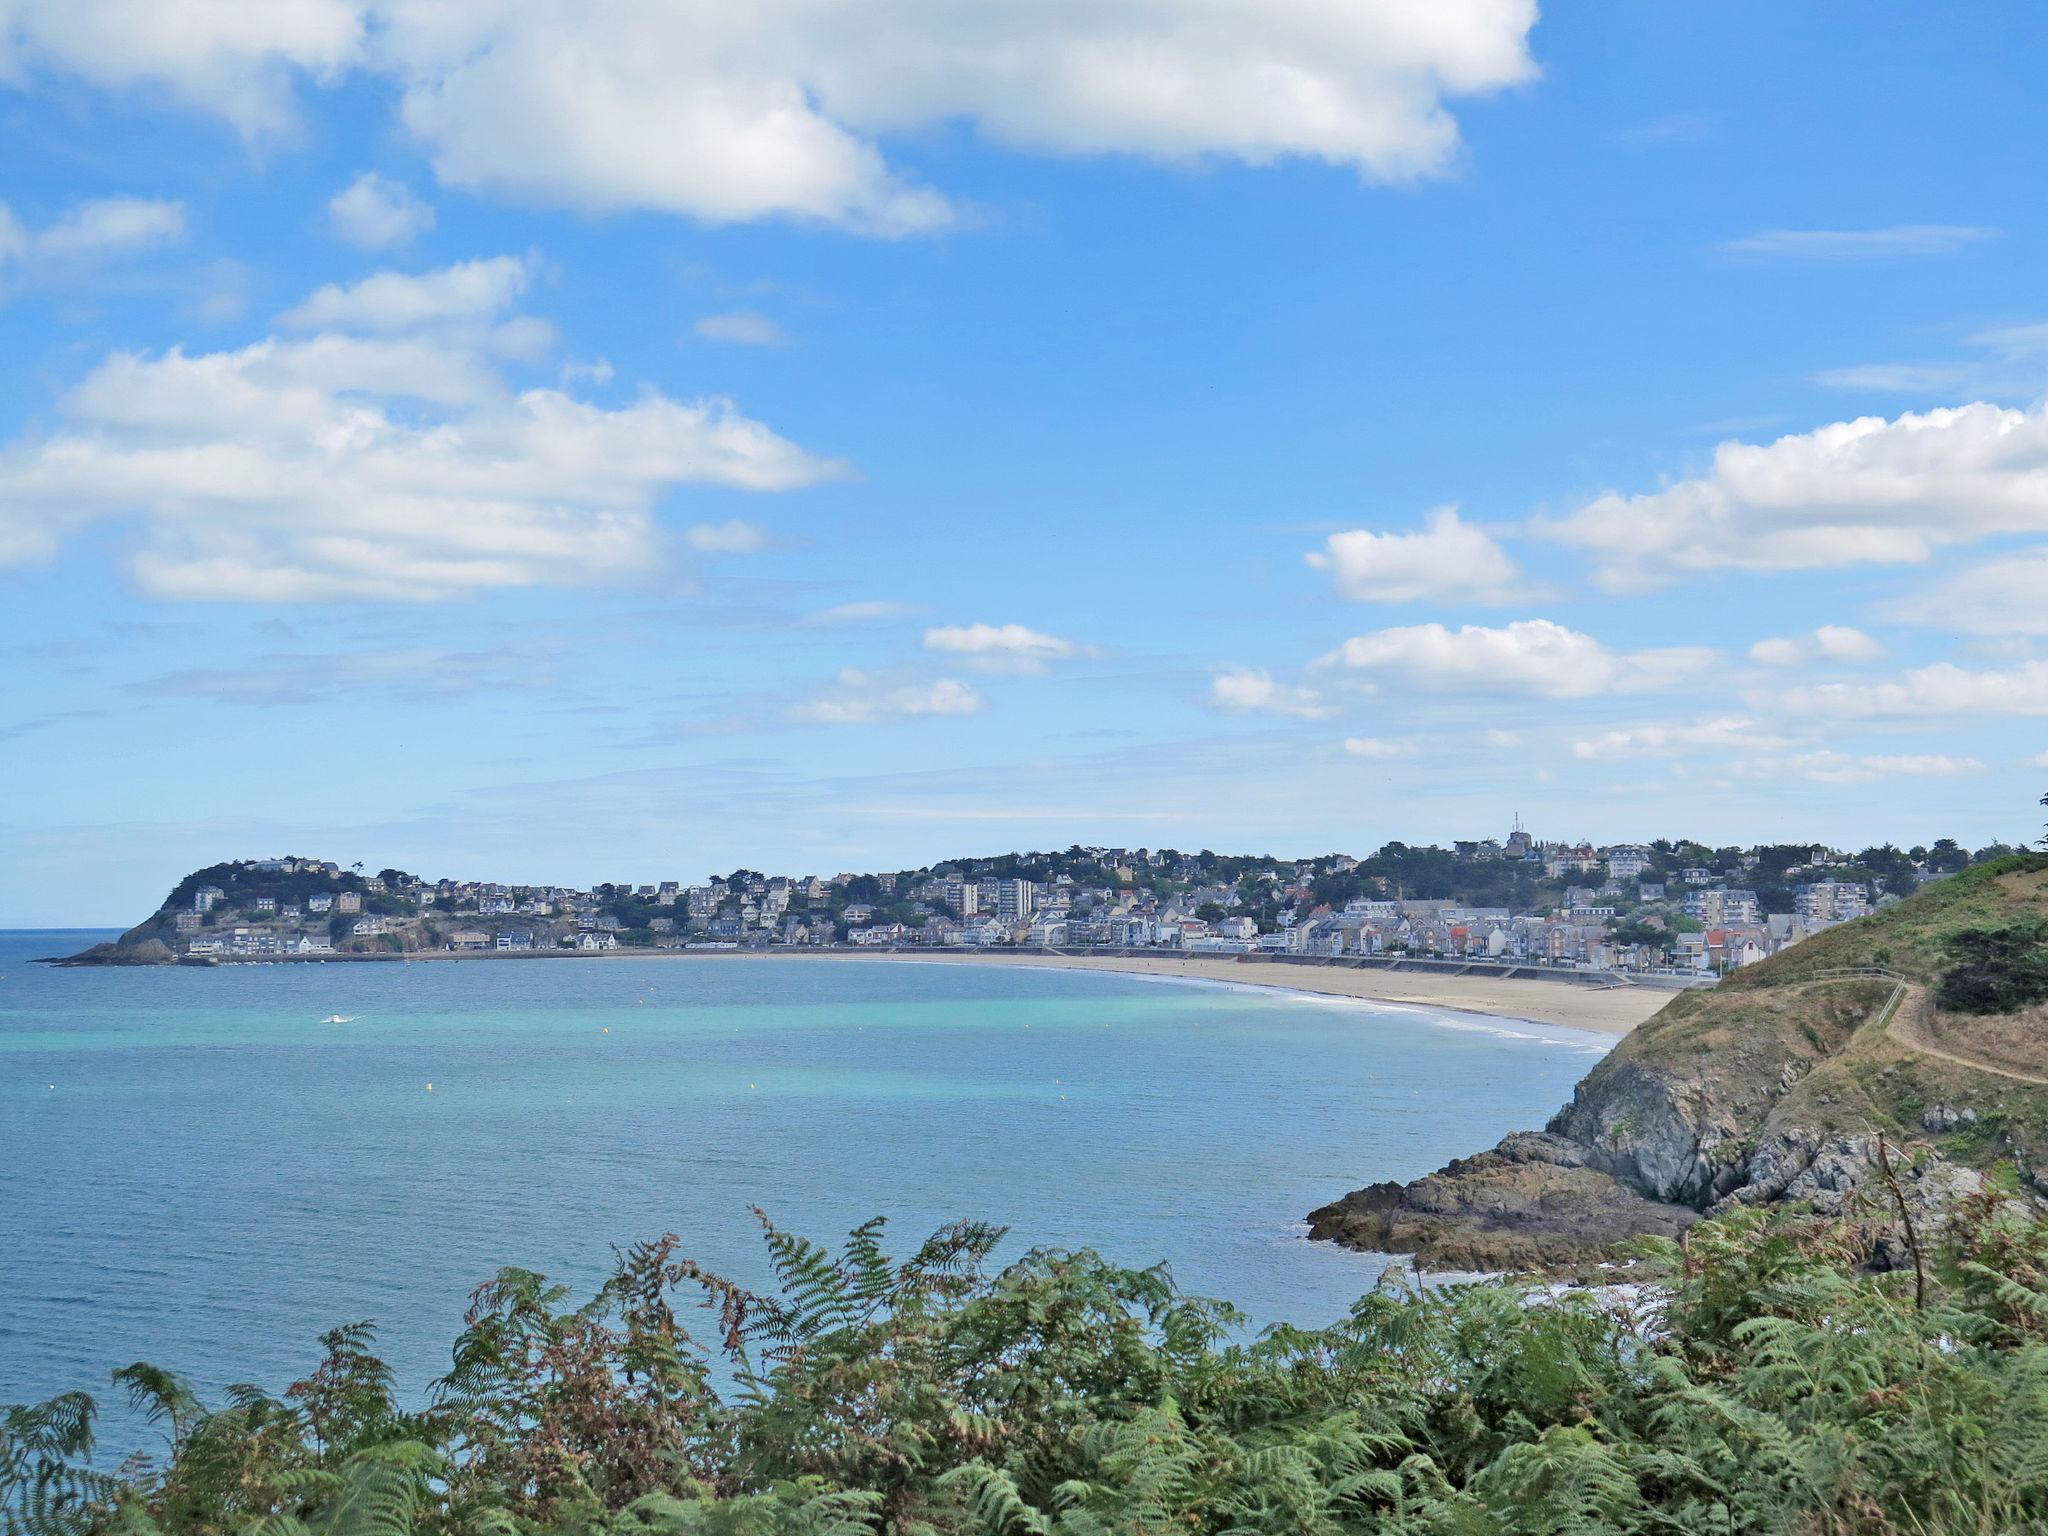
<point x="1607" y="1010"/>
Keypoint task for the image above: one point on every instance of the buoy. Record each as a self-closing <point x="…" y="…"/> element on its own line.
<point x="607" y="1029"/>
<point x="430" y="1087"/>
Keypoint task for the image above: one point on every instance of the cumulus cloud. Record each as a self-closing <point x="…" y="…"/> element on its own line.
<point x="1530" y="656"/>
<point x="1860" y="244"/>
<point x="1010" y="648"/>
<point x="1942" y="689"/>
<point x="731" y="110"/>
<point x="862" y="698"/>
<point x="376" y="213"/>
<point x="1662" y="740"/>
<point x="1831" y="642"/>
<point x="1245" y="690"/>
<point x="1868" y="491"/>
<point x="1447" y="558"/>
<point x="1830" y="767"/>
<point x="2005" y="596"/>
<point x="742" y="327"/>
<point x="398" y="301"/>
<point x="239" y="59"/>
<point x="106" y="226"/>
<point x="734" y="537"/>
<point x="389" y="466"/>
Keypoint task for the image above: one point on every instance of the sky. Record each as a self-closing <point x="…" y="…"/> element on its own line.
<point x="567" y="442"/>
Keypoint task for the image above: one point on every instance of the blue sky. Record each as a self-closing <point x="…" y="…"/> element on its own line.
<point x="573" y="443"/>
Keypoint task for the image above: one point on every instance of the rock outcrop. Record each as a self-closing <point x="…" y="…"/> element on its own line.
<point x="1772" y="1088"/>
<point x="1533" y="1202"/>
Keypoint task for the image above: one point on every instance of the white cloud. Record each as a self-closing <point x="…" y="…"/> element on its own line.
<point x="1942" y="689"/>
<point x="731" y="111"/>
<point x="1860" y="244"/>
<point x="862" y="698"/>
<point x="743" y="327"/>
<point x="237" y="60"/>
<point x="1371" y="746"/>
<point x="2039" y="762"/>
<point x="1661" y="740"/>
<point x="728" y="538"/>
<point x="383" y="467"/>
<point x="1855" y="492"/>
<point x="1500" y="738"/>
<point x="1831" y="642"/>
<point x="106" y="226"/>
<point x="2005" y="596"/>
<point x="1830" y="767"/>
<point x="388" y="302"/>
<point x="110" y="225"/>
<point x="2006" y="360"/>
<point x="376" y="213"/>
<point x="1448" y="558"/>
<point x="1530" y="656"/>
<point x="1010" y="648"/>
<point x="1244" y="690"/>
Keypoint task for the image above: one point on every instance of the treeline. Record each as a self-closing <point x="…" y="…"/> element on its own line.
<point x="1764" y="1385"/>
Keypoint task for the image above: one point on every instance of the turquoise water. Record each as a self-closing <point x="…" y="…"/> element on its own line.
<point x="197" y="1170"/>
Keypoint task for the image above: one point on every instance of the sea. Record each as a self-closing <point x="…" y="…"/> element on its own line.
<point x="206" y="1167"/>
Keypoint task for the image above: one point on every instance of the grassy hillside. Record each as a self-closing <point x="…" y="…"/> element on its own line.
<point x="1785" y="1050"/>
<point x="1912" y="937"/>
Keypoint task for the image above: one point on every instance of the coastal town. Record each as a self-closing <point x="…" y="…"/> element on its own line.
<point x="1662" y="907"/>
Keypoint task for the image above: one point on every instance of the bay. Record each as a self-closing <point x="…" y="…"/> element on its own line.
<point x="198" y="1169"/>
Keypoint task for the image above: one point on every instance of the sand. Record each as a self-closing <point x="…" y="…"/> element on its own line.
<point x="1606" y="1010"/>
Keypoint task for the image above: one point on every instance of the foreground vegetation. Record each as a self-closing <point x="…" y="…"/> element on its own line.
<point x="1766" y="1385"/>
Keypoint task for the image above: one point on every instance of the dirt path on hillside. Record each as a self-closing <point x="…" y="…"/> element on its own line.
<point x="1906" y="1027"/>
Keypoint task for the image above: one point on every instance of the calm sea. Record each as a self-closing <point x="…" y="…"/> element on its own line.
<point x="197" y="1169"/>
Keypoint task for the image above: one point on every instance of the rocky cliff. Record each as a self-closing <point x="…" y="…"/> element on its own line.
<point x="1775" y="1086"/>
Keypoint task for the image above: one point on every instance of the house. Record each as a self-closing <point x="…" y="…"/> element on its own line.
<point x="1830" y="901"/>
<point x="469" y="938"/>
<point x="367" y="927"/>
<point x="514" y="938"/>
<point x="204" y="898"/>
<point x="319" y="904"/>
<point x="348" y="901"/>
<point x="266" y="904"/>
<point x="1627" y="861"/>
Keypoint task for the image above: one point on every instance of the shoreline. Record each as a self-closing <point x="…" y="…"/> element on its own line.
<point x="1610" y="1011"/>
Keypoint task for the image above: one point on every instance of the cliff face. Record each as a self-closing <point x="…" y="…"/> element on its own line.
<point x="1773" y="1087"/>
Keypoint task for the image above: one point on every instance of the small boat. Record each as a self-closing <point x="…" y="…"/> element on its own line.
<point x="339" y="1018"/>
